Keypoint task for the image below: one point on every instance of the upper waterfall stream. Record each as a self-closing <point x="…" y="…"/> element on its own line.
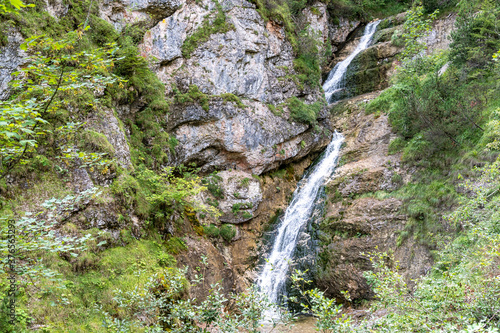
<point x="272" y="278"/>
<point x="335" y="81"/>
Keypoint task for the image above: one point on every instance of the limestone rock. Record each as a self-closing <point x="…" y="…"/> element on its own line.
<point x="438" y="38"/>
<point x="146" y="12"/>
<point x="317" y="18"/>
<point x="241" y="196"/>
<point x="11" y="57"/>
<point x="105" y="122"/>
<point x="340" y="32"/>
<point x="356" y="224"/>
<point x="217" y="270"/>
<point x="56" y="8"/>
<point x="251" y="139"/>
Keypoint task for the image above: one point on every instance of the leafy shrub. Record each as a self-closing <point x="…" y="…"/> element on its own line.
<point x="212" y="183"/>
<point x="228" y="232"/>
<point x="477" y="35"/>
<point x="211" y="230"/>
<point x="396" y="145"/>
<point x="302" y="112"/>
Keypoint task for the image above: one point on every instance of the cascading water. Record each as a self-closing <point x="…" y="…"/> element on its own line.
<point x="298" y="213"/>
<point x="335" y="82"/>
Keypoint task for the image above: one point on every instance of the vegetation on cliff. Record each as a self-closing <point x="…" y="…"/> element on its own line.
<point x="72" y="276"/>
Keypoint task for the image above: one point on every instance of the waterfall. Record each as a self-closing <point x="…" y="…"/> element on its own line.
<point x="272" y="278"/>
<point x="335" y="81"/>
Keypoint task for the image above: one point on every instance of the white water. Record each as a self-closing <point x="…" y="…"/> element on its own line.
<point x="298" y="213"/>
<point x="335" y="81"/>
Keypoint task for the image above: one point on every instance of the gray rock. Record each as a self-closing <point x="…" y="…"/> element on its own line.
<point x="107" y="123"/>
<point x="139" y="12"/>
<point x="158" y="8"/>
<point x="56" y="8"/>
<point x="242" y="196"/>
<point x="11" y="57"/>
<point x="251" y="139"/>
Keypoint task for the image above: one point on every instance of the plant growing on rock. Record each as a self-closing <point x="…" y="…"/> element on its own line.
<point x="228" y="232"/>
<point x="414" y="28"/>
<point x="167" y="193"/>
<point x="330" y="319"/>
<point x="7" y="6"/>
<point x="57" y="70"/>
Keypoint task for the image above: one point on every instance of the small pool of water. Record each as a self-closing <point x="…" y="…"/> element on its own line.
<point x="304" y="324"/>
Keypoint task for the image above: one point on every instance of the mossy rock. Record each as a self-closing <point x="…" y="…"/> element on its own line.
<point x="96" y="141"/>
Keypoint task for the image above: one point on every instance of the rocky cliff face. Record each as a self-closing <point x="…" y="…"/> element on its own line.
<point x="251" y="60"/>
<point x="358" y="221"/>
<point x="244" y="68"/>
<point x="360" y="218"/>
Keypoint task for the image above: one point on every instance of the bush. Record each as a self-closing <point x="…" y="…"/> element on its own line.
<point x="302" y="112"/>
<point x="211" y="230"/>
<point x="228" y="232"/>
<point x="396" y="145"/>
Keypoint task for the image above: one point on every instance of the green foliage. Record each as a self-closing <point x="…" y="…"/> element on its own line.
<point x="396" y="145"/>
<point x="461" y="292"/>
<point x="210" y="25"/>
<point x="129" y="193"/>
<point x="330" y="318"/>
<point x="38" y="234"/>
<point x="193" y="95"/>
<point x="307" y="65"/>
<point x="7" y="6"/>
<point x="414" y="28"/>
<point x="212" y="183"/>
<point x="55" y="72"/>
<point x="424" y="203"/>
<point x="432" y="5"/>
<point x="382" y="103"/>
<point x="477" y="34"/>
<point x="211" y="230"/>
<point x="227" y="232"/>
<point x="234" y="99"/>
<point x="432" y="110"/>
<point x="302" y="112"/>
<point x="175" y="245"/>
<point x="366" y="8"/>
<point x="166" y="193"/>
<point x="96" y="141"/>
<point x="148" y="138"/>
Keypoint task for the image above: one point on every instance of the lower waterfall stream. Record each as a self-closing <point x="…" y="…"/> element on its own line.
<point x="271" y="280"/>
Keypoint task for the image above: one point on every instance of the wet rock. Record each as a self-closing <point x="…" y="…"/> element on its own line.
<point x="371" y="69"/>
<point x="357" y="221"/>
<point x="339" y="31"/>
